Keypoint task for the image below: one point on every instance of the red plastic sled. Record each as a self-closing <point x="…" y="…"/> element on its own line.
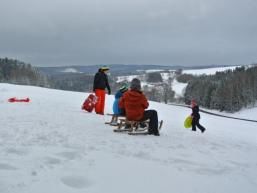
<point x="89" y="103"/>
<point x="14" y="99"/>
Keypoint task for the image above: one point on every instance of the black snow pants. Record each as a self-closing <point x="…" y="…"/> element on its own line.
<point x="195" y="123"/>
<point x="153" y="124"/>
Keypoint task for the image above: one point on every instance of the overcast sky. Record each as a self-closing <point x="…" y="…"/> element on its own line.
<point x="170" y="32"/>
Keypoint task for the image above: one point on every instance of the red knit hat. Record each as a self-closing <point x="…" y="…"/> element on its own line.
<point x="193" y="103"/>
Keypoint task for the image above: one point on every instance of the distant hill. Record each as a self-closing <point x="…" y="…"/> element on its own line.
<point x="225" y="88"/>
<point x="115" y="69"/>
<point x="17" y="72"/>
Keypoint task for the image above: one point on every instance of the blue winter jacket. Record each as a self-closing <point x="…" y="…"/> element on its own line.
<point x="115" y="107"/>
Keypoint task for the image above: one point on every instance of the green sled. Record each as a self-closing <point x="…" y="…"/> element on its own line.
<point x="188" y="122"/>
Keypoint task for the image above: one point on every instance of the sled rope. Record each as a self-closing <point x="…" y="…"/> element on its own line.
<point x="215" y="114"/>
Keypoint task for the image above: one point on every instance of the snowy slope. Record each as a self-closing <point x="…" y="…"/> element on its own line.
<point x="179" y="88"/>
<point x="50" y="145"/>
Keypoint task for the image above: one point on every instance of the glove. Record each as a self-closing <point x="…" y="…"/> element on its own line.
<point x="109" y="92"/>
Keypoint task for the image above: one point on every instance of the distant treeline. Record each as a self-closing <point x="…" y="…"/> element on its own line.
<point x="73" y="82"/>
<point x="228" y="91"/>
<point x="17" y="72"/>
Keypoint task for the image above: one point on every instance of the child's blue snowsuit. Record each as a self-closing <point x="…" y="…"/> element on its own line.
<point x="115" y="107"/>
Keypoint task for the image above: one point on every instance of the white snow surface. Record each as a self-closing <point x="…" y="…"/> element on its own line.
<point x="126" y="78"/>
<point x="51" y="145"/>
<point x="209" y="71"/>
<point x="71" y="70"/>
<point x="178" y="88"/>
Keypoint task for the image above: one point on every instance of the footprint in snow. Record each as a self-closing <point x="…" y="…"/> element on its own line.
<point x="51" y="161"/>
<point x="3" y="187"/>
<point x="76" y="182"/>
<point x="69" y="155"/>
<point x="4" y="166"/>
<point x="15" y="151"/>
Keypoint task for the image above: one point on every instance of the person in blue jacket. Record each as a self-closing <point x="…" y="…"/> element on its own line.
<point x="116" y="110"/>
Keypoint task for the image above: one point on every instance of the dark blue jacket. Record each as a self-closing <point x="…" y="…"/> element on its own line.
<point x="195" y="112"/>
<point x="101" y="81"/>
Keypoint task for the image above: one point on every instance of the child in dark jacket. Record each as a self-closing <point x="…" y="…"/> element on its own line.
<point x="196" y="117"/>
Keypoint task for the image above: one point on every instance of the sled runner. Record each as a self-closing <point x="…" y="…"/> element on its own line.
<point x="114" y="119"/>
<point x="126" y="125"/>
<point x="89" y="103"/>
<point x="145" y="132"/>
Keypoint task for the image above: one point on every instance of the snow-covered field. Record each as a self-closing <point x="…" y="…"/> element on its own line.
<point x="209" y="71"/>
<point x="71" y="70"/>
<point x="50" y="145"/>
<point x="178" y="88"/>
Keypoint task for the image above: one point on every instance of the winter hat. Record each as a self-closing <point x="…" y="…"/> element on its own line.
<point x="104" y="68"/>
<point x="193" y="103"/>
<point x="135" y="84"/>
<point x="123" y="88"/>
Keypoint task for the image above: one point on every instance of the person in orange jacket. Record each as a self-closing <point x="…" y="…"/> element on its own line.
<point x="134" y="102"/>
<point x="100" y="84"/>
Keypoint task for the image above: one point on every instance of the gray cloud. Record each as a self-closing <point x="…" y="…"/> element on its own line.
<point x="84" y="32"/>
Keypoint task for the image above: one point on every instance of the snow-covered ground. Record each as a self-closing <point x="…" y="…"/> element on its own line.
<point x="178" y="88"/>
<point x="245" y="113"/>
<point x="71" y="70"/>
<point x="209" y="71"/>
<point x="51" y="145"/>
<point x="127" y="78"/>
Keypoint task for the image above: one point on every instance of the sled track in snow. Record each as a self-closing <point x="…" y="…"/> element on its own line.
<point x="218" y="115"/>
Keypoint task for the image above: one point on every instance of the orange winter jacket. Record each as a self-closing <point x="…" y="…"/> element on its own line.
<point x="134" y="102"/>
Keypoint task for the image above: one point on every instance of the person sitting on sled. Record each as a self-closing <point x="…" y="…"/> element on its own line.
<point x="134" y="102"/>
<point x="116" y="110"/>
<point x="196" y="117"/>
